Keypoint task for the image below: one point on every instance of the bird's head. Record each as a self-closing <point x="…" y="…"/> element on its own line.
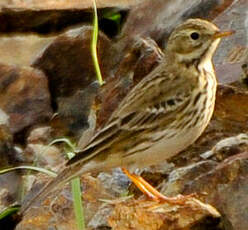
<point x="195" y="39"/>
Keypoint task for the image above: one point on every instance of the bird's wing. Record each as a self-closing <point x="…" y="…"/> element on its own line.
<point x="164" y="96"/>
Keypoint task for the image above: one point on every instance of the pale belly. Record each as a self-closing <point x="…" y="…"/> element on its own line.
<point x="165" y="149"/>
<point x="169" y="147"/>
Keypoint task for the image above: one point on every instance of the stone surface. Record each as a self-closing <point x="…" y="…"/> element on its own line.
<point x="147" y="215"/>
<point x="235" y="18"/>
<point x="47" y="156"/>
<point x="231" y="104"/>
<point x="219" y="184"/>
<point x="40" y="134"/>
<point x="67" y="62"/>
<point x="24" y="96"/>
<point x="114" y="182"/>
<point x="6" y="139"/>
<point x="51" y="15"/>
<point x="21" y="50"/>
<point x="9" y="183"/>
<point x="157" y="20"/>
<point x="225" y="187"/>
<point x="64" y="4"/>
<point x="232" y="52"/>
<point x="57" y="210"/>
<point x="74" y="111"/>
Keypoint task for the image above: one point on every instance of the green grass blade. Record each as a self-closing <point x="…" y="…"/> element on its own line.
<point x="9" y="211"/>
<point x="94" y="45"/>
<point x="78" y="203"/>
<point x="77" y="199"/>
<point x="64" y="140"/>
<point x="42" y="170"/>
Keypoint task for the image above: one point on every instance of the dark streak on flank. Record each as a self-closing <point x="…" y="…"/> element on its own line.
<point x="127" y="119"/>
<point x="197" y="97"/>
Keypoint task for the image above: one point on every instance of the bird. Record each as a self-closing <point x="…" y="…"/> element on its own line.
<point x="161" y="116"/>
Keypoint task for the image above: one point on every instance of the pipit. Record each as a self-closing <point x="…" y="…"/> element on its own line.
<point x="161" y="116"/>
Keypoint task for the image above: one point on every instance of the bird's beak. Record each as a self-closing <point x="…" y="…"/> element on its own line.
<point x="222" y="34"/>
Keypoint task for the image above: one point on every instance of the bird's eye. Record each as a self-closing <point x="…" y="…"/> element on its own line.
<point x="195" y="35"/>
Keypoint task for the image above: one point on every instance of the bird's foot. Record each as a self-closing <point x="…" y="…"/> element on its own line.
<point x="154" y="194"/>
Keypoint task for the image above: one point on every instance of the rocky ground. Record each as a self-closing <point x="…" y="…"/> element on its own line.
<point x="48" y="91"/>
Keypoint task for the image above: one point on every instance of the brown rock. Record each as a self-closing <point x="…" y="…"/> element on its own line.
<point x="219" y="184"/>
<point x="228" y="147"/>
<point x="231" y="104"/>
<point x="63" y="4"/>
<point x="6" y="146"/>
<point x="156" y="20"/>
<point x="57" y="210"/>
<point x="147" y="215"/>
<point x="179" y="177"/>
<point x="41" y="134"/>
<point x="10" y="188"/>
<point x="10" y="182"/>
<point x="47" y="156"/>
<point x="39" y="150"/>
<point x="24" y="96"/>
<point x="67" y="62"/>
<point x="73" y="111"/>
<point x="233" y="51"/>
<point x="234" y="18"/>
<point x="59" y="216"/>
<point x="20" y="49"/>
<point x="69" y="66"/>
<point x="225" y="187"/>
<point x="51" y="15"/>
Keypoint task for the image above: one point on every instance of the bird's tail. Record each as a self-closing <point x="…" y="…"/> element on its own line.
<point x="55" y="184"/>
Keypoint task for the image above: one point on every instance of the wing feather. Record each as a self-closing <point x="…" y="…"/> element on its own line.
<point x="164" y="97"/>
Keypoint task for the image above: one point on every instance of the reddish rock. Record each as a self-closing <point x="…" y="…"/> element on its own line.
<point x="63" y="4"/>
<point x="73" y="111"/>
<point x="6" y="146"/>
<point x="148" y="215"/>
<point x="50" y="16"/>
<point x="24" y="96"/>
<point x="22" y="49"/>
<point x="225" y="187"/>
<point x="157" y="19"/>
<point x="69" y="67"/>
<point x="41" y="134"/>
<point x="68" y="64"/>
<point x="235" y="19"/>
<point x="232" y="104"/>
<point x="221" y="184"/>
<point x="10" y="182"/>
<point x="57" y="210"/>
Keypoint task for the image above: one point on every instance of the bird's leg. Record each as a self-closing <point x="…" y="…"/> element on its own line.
<point x="136" y="180"/>
<point x="153" y="193"/>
